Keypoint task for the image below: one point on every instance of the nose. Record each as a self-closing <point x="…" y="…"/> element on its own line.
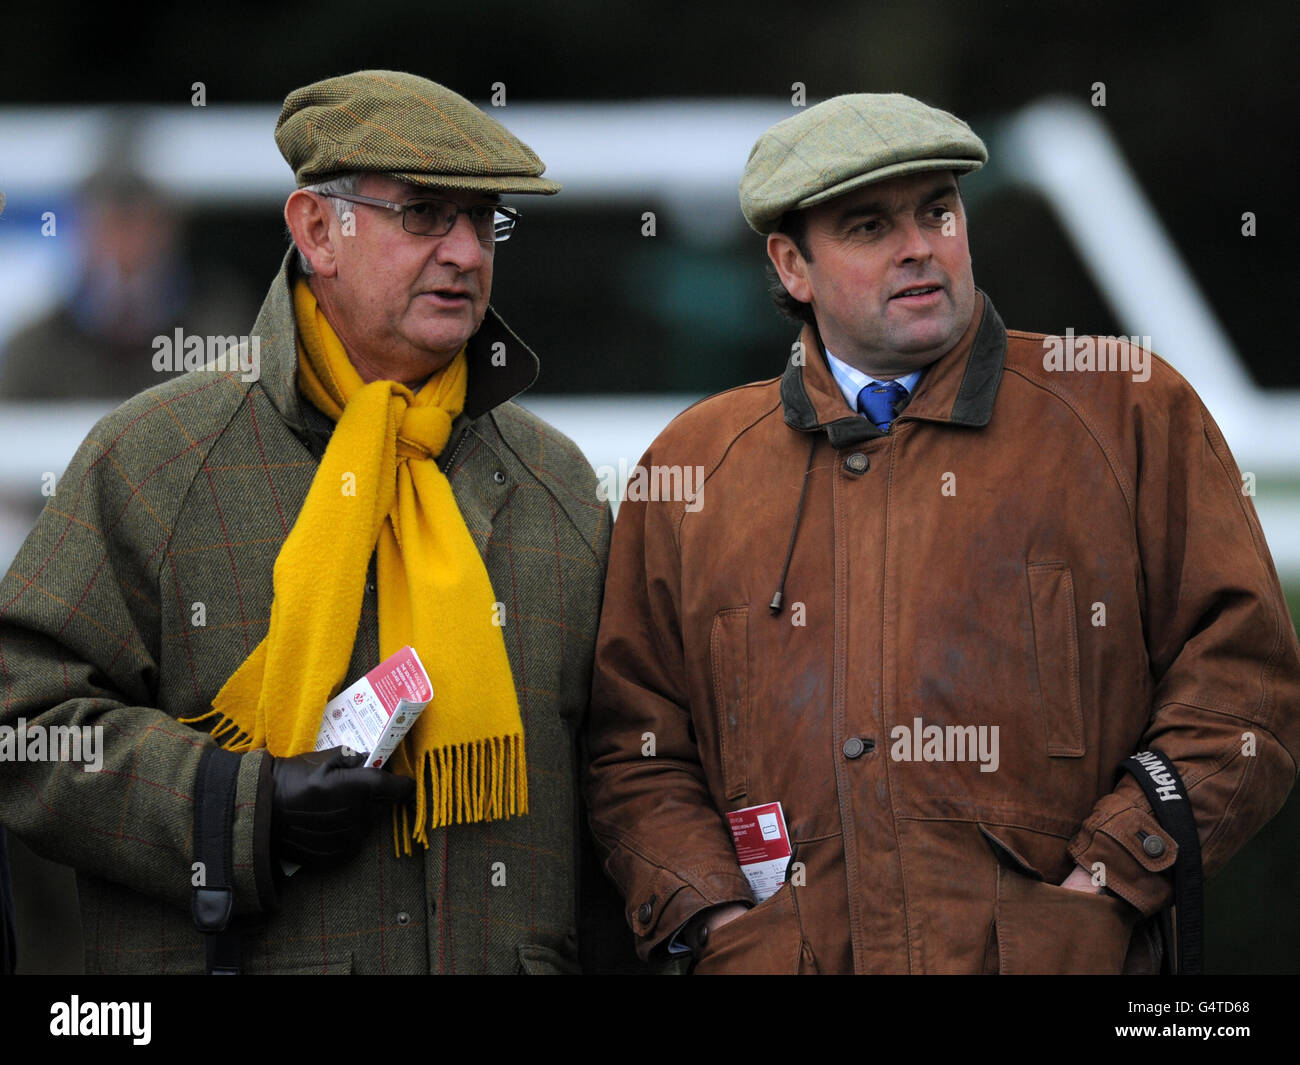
<point x="914" y="242"/>
<point x="461" y="247"/>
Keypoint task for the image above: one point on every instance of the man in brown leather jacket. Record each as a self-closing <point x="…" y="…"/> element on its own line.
<point x="930" y="589"/>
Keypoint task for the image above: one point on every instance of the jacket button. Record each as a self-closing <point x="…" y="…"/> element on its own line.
<point x="857" y="463"/>
<point x="644" y="912"/>
<point x="403" y="918"/>
<point x="1154" y="846"/>
<point x="499" y="477"/>
<point x="853" y="747"/>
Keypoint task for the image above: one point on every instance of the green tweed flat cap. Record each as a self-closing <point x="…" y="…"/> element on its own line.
<point x="846" y="142"/>
<point x="407" y="126"/>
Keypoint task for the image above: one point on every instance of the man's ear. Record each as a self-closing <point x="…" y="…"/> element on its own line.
<point x="791" y="267"/>
<point x="308" y="218"/>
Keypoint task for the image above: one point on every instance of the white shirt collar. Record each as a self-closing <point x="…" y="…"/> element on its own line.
<point x="852" y="381"/>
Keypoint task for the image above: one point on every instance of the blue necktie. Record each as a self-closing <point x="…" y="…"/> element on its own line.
<point x="877" y="401"/>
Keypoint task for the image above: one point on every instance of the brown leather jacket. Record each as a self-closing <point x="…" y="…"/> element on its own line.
<point x="1065" y="557"/>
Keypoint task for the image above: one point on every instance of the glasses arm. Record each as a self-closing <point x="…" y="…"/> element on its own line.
<point x="351" y="198"/>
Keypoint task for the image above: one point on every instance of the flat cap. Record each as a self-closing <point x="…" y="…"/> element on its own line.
<point x="407" y="126"/>
<point x="846" y="142"/>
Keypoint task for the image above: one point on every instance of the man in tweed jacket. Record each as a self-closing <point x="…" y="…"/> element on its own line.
<point x="148" y="581"/>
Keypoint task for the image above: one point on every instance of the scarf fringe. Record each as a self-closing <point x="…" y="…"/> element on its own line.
<point x="481" y="780"/>
<point x="235" y="739"/>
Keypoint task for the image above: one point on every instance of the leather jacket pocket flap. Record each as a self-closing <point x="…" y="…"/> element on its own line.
<point x="729" y="662"/>
<point x="1056" y="657"/>
<point x="1009" y="856"/>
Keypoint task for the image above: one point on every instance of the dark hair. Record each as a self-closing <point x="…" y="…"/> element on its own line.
<point x="793" y="225"/>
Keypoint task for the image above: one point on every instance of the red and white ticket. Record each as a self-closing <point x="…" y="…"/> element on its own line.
<point x="376" y="712"/>
<point x="763" y="847"/>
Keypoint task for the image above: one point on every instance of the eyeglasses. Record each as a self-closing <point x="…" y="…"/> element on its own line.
<point x="492" y="222"/>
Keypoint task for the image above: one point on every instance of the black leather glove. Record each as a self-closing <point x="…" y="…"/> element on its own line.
<point x="322" y="804"/>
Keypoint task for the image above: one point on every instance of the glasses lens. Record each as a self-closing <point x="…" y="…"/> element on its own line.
<point x="429" y="218"/>
<point x="437" y="218"/>
<point x="480" y="215"/>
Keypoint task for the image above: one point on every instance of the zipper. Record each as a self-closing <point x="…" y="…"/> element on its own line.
<point x="460" y="442"/>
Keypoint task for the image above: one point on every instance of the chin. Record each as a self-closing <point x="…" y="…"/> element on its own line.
<point x="931" y="343"/>
<point x="442" y="343"/>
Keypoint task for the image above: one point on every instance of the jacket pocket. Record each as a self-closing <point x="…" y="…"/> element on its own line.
<point x="1056" y="657"/>
<point x="1043" y="928"/>
<point x="766" y="939"/>
<point x="306" y="965"/>
<point x="1040" y="927"/>
<point x="729" y="665"/>
<point x="538" y="960"/>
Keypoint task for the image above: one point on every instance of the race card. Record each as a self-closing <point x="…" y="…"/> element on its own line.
<point x="763" y="847"/>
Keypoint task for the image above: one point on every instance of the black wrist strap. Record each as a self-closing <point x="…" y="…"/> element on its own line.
<point x="1159" y="780"/>
<point x="214" y="843"/>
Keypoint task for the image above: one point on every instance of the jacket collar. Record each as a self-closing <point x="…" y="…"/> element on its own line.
<point x="500" y="364"/>
<point x="959" y="387"/>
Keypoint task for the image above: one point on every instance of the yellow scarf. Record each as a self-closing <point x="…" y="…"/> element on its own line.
<point x="379" y="483"/>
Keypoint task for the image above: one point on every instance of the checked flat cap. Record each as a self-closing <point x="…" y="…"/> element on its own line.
<point x="846" y="142"/>
<point x="407" y="126"/>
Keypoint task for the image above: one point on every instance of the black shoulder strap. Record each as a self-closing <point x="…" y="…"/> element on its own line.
<point x="8" y="917"/>
<point x="214" y="843"/>
<point x="1158" y="778"/>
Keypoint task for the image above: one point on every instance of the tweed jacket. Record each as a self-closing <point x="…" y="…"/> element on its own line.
<point x="1031" y="577"/>
<point x="147" y="581"/>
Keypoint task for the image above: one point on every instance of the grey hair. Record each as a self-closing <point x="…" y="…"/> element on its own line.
<point x="347" y="184"/>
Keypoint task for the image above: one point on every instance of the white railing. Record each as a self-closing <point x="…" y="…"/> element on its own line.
<point x="689" y="153"/>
